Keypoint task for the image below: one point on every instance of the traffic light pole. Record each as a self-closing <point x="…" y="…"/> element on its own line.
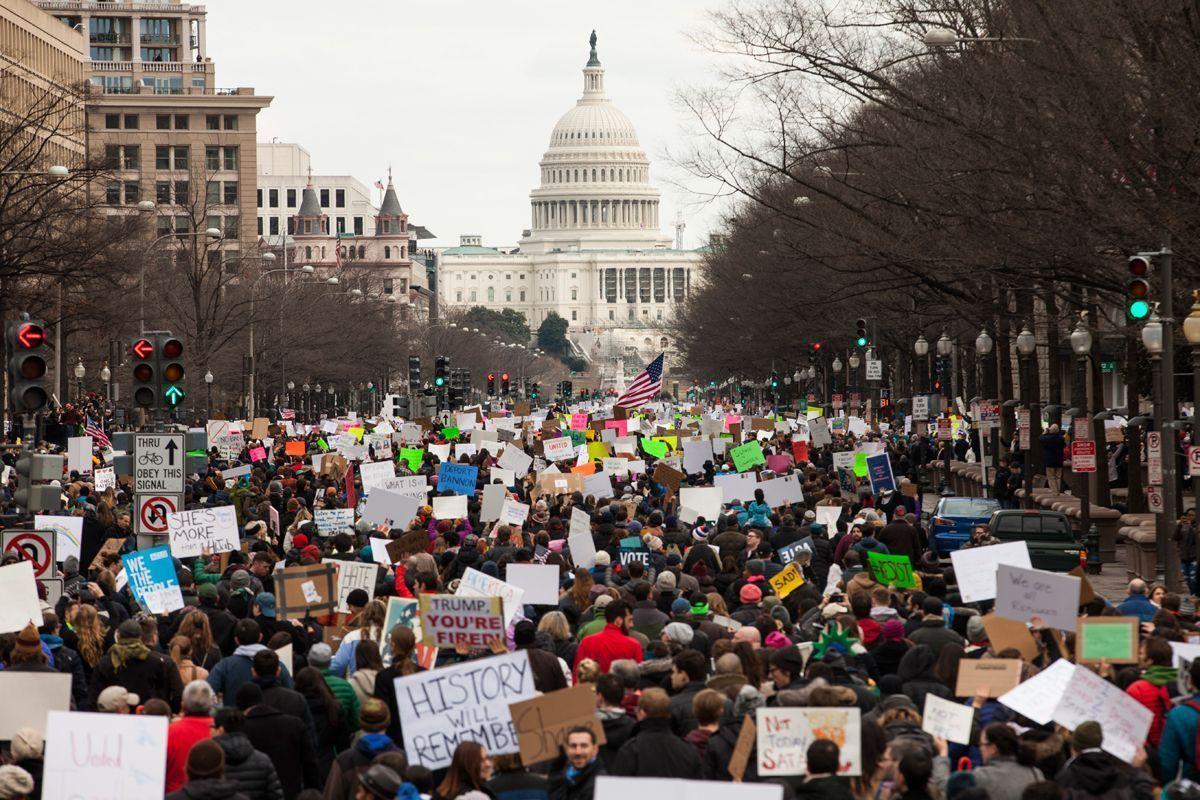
<point x="1165" y="522"/>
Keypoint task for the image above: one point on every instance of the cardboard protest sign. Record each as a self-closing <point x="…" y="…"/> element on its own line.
<point x="110" y="547"/>
<point x="28" y="696"/>
<point x="477" y="584"/>
<point x="542" y="722"/>
<point x="558" y="448"/>
<point x="739" y="759"/>
<point x="598" y="485"/>
<point x="1124" y="720"/>
<point x="203" y="530"/>
<point x="1112" y="639"/>
<point x="91" y="755"/>
<point x="1022" y="594"/>
<point x="330" y="521"/>
<point x="449" y="620"/>
<point x="152" y="579"/>
<point x="539" y="582"/>
<point x="892" y="570"/>
<point x="1086" y="592"/>
<point x="302" y="591"/>
<point x="997" y="675"/>
<point x="457" y="478"/>
<point x="787" y="580"/>
<point x="1009" y="633"/>
<point x="784" y="735"/>
<point x="434" y="719"/>
<point x="353" y="575"/>
<point x="747" y="456"/>
<point x="1037" y="697"/>
<point x="516" y="459"/>
<point x="975" y="567"/>
<point x="949" y="720"/>
<point x="452" y="507"/>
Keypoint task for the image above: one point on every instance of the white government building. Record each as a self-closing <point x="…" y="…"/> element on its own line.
<point x="595" y="253"/>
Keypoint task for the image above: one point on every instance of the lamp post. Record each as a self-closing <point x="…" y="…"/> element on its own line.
<point x="305" y="389"/>
<point x="1081" y="345"/>
<point x="1153" y="339"/>
<point x="945" y="346"/>
<point x="106" y="376"/>
<point x="837" y="368"/>
<point x="80" y="371"/>
<point x="269" y="258"/>
<point x="1026" y="350"/>
<point x="1191" y="332"/>
<point x="984" y="345"/>
<point x="208" y="382"/>
<point x="921" y="351"/>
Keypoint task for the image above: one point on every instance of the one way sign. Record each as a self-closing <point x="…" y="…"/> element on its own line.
<point x="158" y="463"/>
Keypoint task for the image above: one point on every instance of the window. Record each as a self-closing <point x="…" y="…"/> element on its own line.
<point x="274" y="226"/>
<point x="474" y="298"/>
<point x="574" y="294"/>
<point x="678" y="284"/>
<point x="339" y="198"/>
<point x="130" y="154"/>
<point x="232" y="223"/>
<point x="260" y="205"/>
<point x="212" y="157"/>
<point x="231" y="122"/>
<point x="660" y="288"/>
<point x="386" y="226"/>
<point x="273" y="198"/>
<point x="158" y="54"/>
<point x="491" y="295"/>
<point x="102" y="53"/>
<point x="291" y="227"/>
<point x="658" y="313"/>
<point x="362" y="251"/>
<point x="162" y="192"/>
<point x="508" y="295"/>
<point x="231" y="192"/>
<point x="341" y="228"/>
<point x="388" y="285"/>
<point x="230" y="158"/>
<point x="574" y="315"/>
<point x="308" y="252"/>
<point x="112" y="121"/>
<point x="324" y="198"/>
<point x="163" y="226"/>
<point x="358" y="226"/>
<point x="212" y="122"/>
<point x="131" y="122"/>
<point x="212" y="192"/>
<point x="522" y="295"/>
<point x="112" y="193"/>
<point x="112" y="156"/>
<point x="612" y="314"/>
<point x="182" y="224"/>
<point x="644" y="284"/>
<point x="458" y="296"/>
<point x="291" y="198"/>
<point x="610" y="286"/>
<point x="181" y="122"/>
<point x="387" y="252"/>
<point x="162" y="157"/>
<point x="260" y="227"/>
<point x="572" y="276"/>
<point x="181" y="157"/>
<point x="631" y="286"/>
<point x="162" y="122"/>
<point x="632" y="314"/>
<point x="182" y="191"/>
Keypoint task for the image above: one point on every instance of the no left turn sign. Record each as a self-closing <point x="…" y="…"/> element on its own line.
<point x="153" y="510"/>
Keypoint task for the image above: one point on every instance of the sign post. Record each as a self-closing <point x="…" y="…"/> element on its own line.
<point x="159" y="468"/>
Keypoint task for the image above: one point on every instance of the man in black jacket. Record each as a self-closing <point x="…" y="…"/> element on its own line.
<point x="577" y="780"/>
<point x="618" y="726"/>
<point x="283" y="738"/>
<point x="219" y="620"/>
<point x="265" y="669"/>
<point x="654" y="751"/>
<point x="688" y="671"/>
<point x="250" y="769"/>
<point x="129" y="663"/>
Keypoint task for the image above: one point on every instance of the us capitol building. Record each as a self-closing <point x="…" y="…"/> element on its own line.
<point x="595" y="253"/>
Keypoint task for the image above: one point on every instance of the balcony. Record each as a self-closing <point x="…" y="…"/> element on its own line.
<point x="164" y="7"/>
<point x="112" y="66"/>
<point x="159" y="38"/>
<point x="111" y="37"/>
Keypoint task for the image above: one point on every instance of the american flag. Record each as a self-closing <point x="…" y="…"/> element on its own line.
<point x="97" y="433"/>
<point x="287" y="414"/>
<point x="379" y="185"/>
<point x="337" y="254"/>
<point x="645" y="386"/>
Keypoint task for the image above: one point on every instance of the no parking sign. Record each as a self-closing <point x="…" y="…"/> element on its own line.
<point x="36" y="547"/>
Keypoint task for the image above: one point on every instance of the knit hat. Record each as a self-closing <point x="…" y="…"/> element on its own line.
<point x="1088" y="735"/>
<point x="358" y="598"/>
<point x="788" y="659"/>
<point x="975" y="630"/>
<point x="665" y="582"/>
<point x="700" y="608"/>
<point x="750" y="593"/>
<point x="28" y="642"/>
<point x="14" y="782"/>
<point x="654" y="543"/>
<point x="381" y="781"/>
<point x="27" y="743"/>
<point x="893" y="630"/>
<point x="312" y="551"/>
<point x="299" y="541"/>
<point x="679" y="632"/>
<point x="207" y="591"/>
<point x="374" y="715"/>
<point x="680" y="606"/>
<point x="319" y="656"/>
<point x="112" y="699"/>
<point x="206" y="759"/>
<point x="266" y="604"/>
<point x="603" y="559"/>
<point x="959" y="782"/>
<point x="240" y="579"/>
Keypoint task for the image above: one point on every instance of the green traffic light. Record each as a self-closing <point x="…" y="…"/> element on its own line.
<point x="174" y="395"/>
<point x="439" y="381"/>
<point x="861" y="341"/>
<point x="1138" y="309"/>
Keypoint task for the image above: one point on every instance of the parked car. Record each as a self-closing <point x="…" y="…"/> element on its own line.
<point x="1052" y="543"/>
<point x="954" y="518"/>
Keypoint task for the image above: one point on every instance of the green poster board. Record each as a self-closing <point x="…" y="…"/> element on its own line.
<point x="413" y="457"/>
<point x="1112" y="639"/>
<point x="747" y="456"/>
<point x="892" y="570"/>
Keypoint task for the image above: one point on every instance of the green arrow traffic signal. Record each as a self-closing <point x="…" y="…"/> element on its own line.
<point x="174" y="395"/>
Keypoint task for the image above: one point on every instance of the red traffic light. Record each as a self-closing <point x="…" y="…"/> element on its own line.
<point x="1138" y="288"/>
<point x="816" y="346"/>
<point x="1139" y="265"/>
<point x="504" y="376"/>
<point x="172" y="348"/>
<point x="30" y="336"/>
<point x="491" y="376"/>
<point x="142" y="348"/>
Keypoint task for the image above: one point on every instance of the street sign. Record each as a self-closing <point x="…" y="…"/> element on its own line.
<point x="874" y="369"/>
<point x="1154" y="500"/>
<point x="158" y="463"/>
<point x="152" y="510"/>
<point x="1083" y="456"/>
<point x="837" y="401"/>
<point x="920" y="406"/>
<point x="1194" y="461"/>
<point x="1154" y="475"/>
<point x="943" y="429"/>
<point x="36" y="547"/>
<point x="1082" y="427"/>
<point x="1023" y="426"/>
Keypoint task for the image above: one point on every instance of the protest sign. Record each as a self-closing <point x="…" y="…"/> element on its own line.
<point x="598" y="485"/>
<point x="457" y="478"/>
<point x="784" y="735"/>
<point x="228" y="445"/>
<point x="516" y="459"/>
<point x="1005" y="633"/>
<point x="1022" y="594"/>
<point x="1037" y="697"/>
<point x="353" y="575"/>
<point x="373" y="473"/>
<point x="1111" y="639"/>
<point x="557" y="449"/>
<point x="412" y="457"/>
<point x="613" y="788"/>
<point x="152" y="579"/>
<point x="949" y="720"/>
<point x="789" y="553"/>
<point x="583" y="550"/>
<point x="667" y="476"/>
<point x="452" y="507"/>
<point x="539" y="582"/>
<point x="295" y="447"/>
<point x="739" y="759"/>
<point x="747" y="456"/>
<point x="28" y="696"/>
<point x="494" y="495"/>
<point x="705" y="501"/>
<point x="736" y="487"/>
<point x="384" y="507"/>
<point x="892" y="570"/>
<point x="460" y="702"/>
<point x="448" y="620"/>
<point x="68" y="533"/>
<point x="787" y="580"/>
<point x="997" y="675"/>
<point x="631" y="549"/>
<point x="476" y="584"/>
<point x="303" y="591"/>
<point x="211" y="530"/>
<point x="975" y="567"/>
<point x="513" y="513"/>
<point x="92" y="755"/>
<point x="379" y="551"/>
<point x="695" y="453"/>
<point x="410" y="485"/>
<point x="1124" y="720"/>
<point x="542" y="722"/>
<point x="333" y="520"/>
<point x="879" y="472"/>
<point x="581" y="522"/>
<point x="782" y="491"/>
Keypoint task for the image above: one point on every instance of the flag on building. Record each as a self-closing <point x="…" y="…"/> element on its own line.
<point x="97" y="433"/>
<point x="379" y="185"/>
<point x="645" y="386"/>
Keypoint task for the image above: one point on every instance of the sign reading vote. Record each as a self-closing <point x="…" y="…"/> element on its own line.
<point x="212" y="530"/>
<point x="457" y="478"/>
<point x="464" y="702"/>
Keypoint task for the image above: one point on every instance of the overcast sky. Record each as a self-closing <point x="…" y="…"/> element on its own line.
<point x="459" y="96"/>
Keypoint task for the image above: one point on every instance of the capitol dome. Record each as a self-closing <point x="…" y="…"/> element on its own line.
<point x="595" y="188"/>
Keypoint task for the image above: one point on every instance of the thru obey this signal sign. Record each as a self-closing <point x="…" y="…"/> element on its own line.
<point x="152" y="511"/>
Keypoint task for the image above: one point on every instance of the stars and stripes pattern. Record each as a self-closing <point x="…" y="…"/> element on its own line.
<point x="288" y="414"/>
<point x="645" y="386"/>
<point x="97" y="433"/>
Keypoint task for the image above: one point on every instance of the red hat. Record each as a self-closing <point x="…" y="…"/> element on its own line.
<point x="311" y="552"/>
<point x="300" y="541"/>
<point x="750" y="593"/>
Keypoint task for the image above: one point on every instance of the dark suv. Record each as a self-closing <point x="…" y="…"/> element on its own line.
<point x="1052" y="543"/>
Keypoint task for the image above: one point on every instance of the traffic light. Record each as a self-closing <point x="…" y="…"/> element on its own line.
<point x="774" y="381"/>
<point x="414" y="372"/>
<point x="503" y="383"/>
<point x="401" y="407"/>
<point x="533" y="391"/>
<point x="429" y="403"/>
<point x="860" y="332"/>
<point x="171" y="372"/>
<point x="27" y="366"/>
<point x="1137" y="292"/>
<point x="441" y="366"/>
<point x="491" y="383"/>
<point x="145" y="372"/>
<point x="568" y="389"/>
<point x="32" y="467"/>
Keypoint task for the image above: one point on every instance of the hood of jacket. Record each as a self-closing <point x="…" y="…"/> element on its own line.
<point x="237" y="747"/>
<point x="1094" y="772"/>
<point x="917" y="664"/>
<point x="248" y="650"/>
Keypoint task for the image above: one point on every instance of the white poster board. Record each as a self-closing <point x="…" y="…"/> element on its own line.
<point x="353" y="575"/>
<point x="1125" y="721"/>
<point x="947" y="719"/>
<point x="212" y="530"/>
<point x="18" y="597"/>
<point x="125" y="755"/>
<point x="539" y="582"/>
<point x="28" y="696"/>
<point x="452" y="507"/>
<point x="1022" y="594"/>
<point x="610" y="787"/>
<point x="784" y="735"/>
<point x="68" y="533"/>
<point x="79" y="454"/>
<point x="477" y="584"/>
<point x="975" y="568"/>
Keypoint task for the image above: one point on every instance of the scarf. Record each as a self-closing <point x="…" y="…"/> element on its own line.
<point x="1159" y="675"/>
<point x="573" y="773"/>
<point x="122" y="653"/>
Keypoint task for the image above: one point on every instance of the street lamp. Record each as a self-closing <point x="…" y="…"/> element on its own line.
<point x="853" y="360"/>
<point x="944" y="345"/>
<point x="1081" y="345"/>
<point x="944" y="37"/>
<point x="208" y="382"/>
<point x="106" y="376"/>
<point x="80" y="371"/>
<point x="212" y="234"/>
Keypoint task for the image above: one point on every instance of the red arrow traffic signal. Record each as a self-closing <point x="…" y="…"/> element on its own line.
<point x="142" y="348"/>
<point x="30" y="336"/>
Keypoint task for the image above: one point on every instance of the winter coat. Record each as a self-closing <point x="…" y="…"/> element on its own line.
<point x="385" y="690"/>
<point x="547" y="671"/>
<point x="607" y="646"/>
<point x="153" y="676"/>
<point x="1138" y="605"/>
<point x="901" y="539"/>
<point x="1004" y="778"/>
<point x="829" y="787"/>
<point x="655" y="752"/>
<point x="582" y="787"/>
<point x="715" y="762"/>
<point x="1094" y="773"/>
<point x="933" y="633"/>
<point x="1155" y="698"/>
<point x="182" y="734"/>
<point x="1185" y="540"/>
<point x="68" y="662"/>
<point x="208" y="789"/>
<point x="288" y="701"/>
<point x="232" y="672"/>
<point x="1053" y="445"/>
<point x="285" y="741"/>
<point x="888" y="656"/>
<point x="618" y="727"/>
<point x="822" y="558"/>
<point x="519" y="785"/>
<point x="343" y="692"/>
<point x="916" y="672"/>
<point x="1177" y="748"/>
<point x="222" y="624"/>
<point x="250" y="769"/>
<point x="343" y="776"/>
<point x="683" y="720"/>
